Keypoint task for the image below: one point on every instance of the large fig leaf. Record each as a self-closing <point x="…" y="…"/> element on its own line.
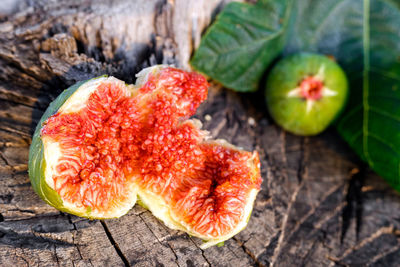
<point x="362" y="35"/>
<point x="243" y="41"/>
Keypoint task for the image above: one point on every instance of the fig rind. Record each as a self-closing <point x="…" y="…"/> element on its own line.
<point x="294" y="112"/>
<point x="37" y="162"/>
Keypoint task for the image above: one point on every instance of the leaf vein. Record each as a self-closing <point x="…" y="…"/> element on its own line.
<point x="383" y="142"/>
<point x="349" y="114"/>
<point x="384" y="113"/>
<point x="322" y="24"/>
<point x="366" y="52"/>
<point x="387" y="75"/>
<point x="355" y="136"/>
<point x="278" y="33"/>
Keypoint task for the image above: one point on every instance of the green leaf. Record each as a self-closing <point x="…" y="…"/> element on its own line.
<point x="377" y="137"/>
<point x="242" y="42"/>
<point x="362" y="35"/>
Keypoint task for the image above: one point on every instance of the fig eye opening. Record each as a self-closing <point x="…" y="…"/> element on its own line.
<point x="311" y="88"/>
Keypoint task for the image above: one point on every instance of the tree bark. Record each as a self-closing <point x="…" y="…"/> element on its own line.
<point x="319" y="206"/>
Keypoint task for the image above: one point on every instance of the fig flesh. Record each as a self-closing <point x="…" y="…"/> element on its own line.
<point x="102" y="144"/>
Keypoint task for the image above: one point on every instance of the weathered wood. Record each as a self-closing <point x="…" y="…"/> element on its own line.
<point x="319" y="206"/>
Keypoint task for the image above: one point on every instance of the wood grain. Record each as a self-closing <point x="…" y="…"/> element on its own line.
<point x="319" y="206"/>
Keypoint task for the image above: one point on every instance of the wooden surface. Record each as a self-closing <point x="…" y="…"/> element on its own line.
<point x="318" y="205"/>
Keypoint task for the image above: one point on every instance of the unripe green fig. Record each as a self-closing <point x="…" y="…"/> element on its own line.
<point x="305" y="92"/>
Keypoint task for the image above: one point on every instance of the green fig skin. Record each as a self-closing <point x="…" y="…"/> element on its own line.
<point x="37" y="162"/>
<point x="291" y="112"/>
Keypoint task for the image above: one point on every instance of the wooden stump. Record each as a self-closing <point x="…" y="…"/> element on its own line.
<point x="318" y="205"/>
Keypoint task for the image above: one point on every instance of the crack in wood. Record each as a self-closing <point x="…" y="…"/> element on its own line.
<point x="313" y="209"/>
<point x="13" y="144"/>
<point x="158" y="240"/>
<point x="247" y="251"/>
<point x="12" y="130"/>
<point x="22" y="258"/>
<point x="265" y="255"/>
<point x="3" y="157"/>
<point x="25" y="211"/>
<point x="164" y="45"/>
<point x="354" y="202"/>
<point x="215" y="131"/>
<point x="13" y="238"/>
<point x="318" y="225"/>
<point x="202" y="251"/>
<point x="309" y="252"/>
<point x="302" y="165"/>
<point x="17" y="168"/>
<point x="15" y="62"/>
<point x="73" y="236"/>
<point x="36" y="216"/>
<point x="284" y="223"/>
<point x="384" y="254"/>
<point x="115" y="245"/>
<point x="381" y="231"/>
<point x="76" y="245"/>
<point x="56" y="256"/>
<point x="27" y="184"/>
<point x="4" y="97"/>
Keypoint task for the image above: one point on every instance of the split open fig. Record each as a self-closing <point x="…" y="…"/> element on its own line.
<point x="102" y="144"/>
